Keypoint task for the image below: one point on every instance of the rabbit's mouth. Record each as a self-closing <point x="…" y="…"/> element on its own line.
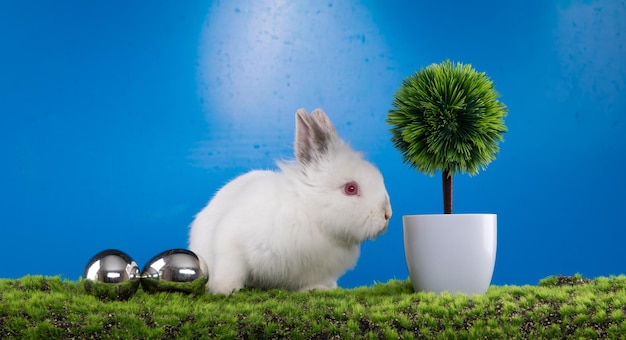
<point x="379" y="232"/>
<point x="383" y="230"/>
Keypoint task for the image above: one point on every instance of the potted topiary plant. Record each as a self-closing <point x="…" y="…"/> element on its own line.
<point x="447" y="118"/>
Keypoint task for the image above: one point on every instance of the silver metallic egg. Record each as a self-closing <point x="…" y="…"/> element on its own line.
<point x="178" y="270"/>
<point x="111" y="275"/>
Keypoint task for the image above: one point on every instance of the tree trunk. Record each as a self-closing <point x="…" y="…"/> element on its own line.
<point x="446" y="179"/>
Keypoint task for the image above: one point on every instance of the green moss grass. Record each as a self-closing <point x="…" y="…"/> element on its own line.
<point x="39" y="307"/>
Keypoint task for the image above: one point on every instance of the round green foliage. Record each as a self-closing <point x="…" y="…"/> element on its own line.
<point x="447" y="116"/>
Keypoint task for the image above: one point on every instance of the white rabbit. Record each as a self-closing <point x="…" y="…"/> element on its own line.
<point x="299" y="228"/>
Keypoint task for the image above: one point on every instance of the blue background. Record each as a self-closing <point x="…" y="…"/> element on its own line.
<point x="120" y="120"/>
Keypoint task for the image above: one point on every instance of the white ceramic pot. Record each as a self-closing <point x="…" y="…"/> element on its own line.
<point x="453" y="253"/>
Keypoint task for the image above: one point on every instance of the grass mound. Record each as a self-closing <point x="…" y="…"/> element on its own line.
<point x="559" y="307"/>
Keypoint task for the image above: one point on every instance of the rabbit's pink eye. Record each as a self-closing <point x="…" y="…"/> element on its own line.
<point x="351" y="189"/>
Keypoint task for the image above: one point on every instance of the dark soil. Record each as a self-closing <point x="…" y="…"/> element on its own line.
<point x="570" y="280"/>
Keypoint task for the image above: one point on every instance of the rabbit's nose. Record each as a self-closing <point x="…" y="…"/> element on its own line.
<point x="387" y="210"/>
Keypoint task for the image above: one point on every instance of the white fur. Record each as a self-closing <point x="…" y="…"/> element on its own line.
<point x="294" y="228"/>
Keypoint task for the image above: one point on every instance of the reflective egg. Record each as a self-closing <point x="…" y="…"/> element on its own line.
<point x="177" y="270"/>
<point x="111" y="275"/>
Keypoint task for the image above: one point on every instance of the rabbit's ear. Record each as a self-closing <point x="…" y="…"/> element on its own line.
<point x="314" y="135"/>
<point x="323" y="121"/>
